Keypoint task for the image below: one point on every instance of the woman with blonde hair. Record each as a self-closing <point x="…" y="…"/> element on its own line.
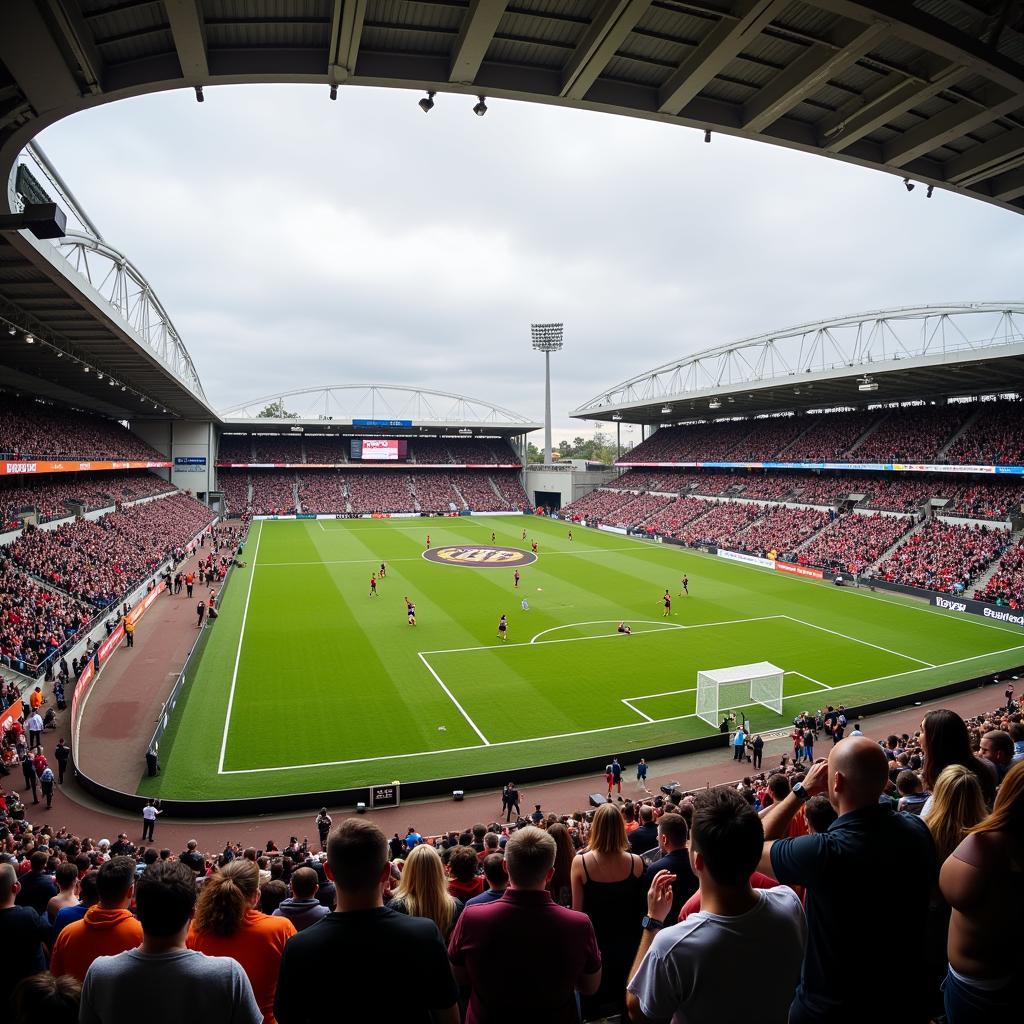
<point x="957" y="806"/>
<point x="227" y="923"/>
<point x="423" y="890"/>
<point x="607" y="885"/>
<point x="981" y="881"/>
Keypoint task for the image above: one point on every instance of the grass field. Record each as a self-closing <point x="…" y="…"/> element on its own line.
<point x="306" y="682"/>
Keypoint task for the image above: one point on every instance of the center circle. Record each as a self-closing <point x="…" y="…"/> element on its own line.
<point x="480" y="556"/>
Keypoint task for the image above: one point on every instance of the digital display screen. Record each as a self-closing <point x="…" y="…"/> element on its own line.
<point x="380" y="449"/>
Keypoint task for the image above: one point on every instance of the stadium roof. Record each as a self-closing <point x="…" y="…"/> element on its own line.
<point x="931" y="90"/>
<point x="896" y="355"/>
<point x="374" y="407"/>
<point x="100" y="337"/>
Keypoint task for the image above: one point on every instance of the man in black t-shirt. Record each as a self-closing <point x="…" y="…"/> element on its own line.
<point x="327" y="971"/>
<point x="21" y="932"/>
<point x="192" y="857"/>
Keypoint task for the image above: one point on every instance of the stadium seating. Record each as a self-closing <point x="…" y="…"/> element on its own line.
<point x="830" y="436"/>
<point x="911" y="435"/>
<point x="597" y="505"/>
<point x="378" y="492"/>
<point x="37" y="430"/>
<point x="995" y="437"/>
<point x="986" y="500"/>
<point x="675" y="516"/>
<point x="273" y="492"/>
<point x="905" y="493"/>
<point x="781" y="530"/>
<point x="509" y="487"/>
<point x="855" y="540"/>
<point x="277" y="448"/>
<point x="478" y="491"/>
<point x="944" y="556"/>
<point x="1006" y="585"/>
<point x="235" y="448"/>
<point x="322" y="492"/>
<point x="326" y="449"/>
<point x="721" y="523"/>
<point x="435" y="492"/>
<point x="235" y="485"/>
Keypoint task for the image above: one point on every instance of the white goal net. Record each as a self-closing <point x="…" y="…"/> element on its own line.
<point x="732" y="689"/>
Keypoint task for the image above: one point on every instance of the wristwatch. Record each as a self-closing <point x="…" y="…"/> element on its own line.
<point x="801" y="793"/>
<point x="651" y="922"/>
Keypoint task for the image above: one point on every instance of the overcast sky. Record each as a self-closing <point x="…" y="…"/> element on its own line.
<point x="298" y="242"/>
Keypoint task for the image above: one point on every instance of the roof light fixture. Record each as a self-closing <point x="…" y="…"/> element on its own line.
<point x="928" y="193"/>
<point x="481" y="107"/>
<point x="334" y="91"/>
<point x="707" y="134"/>
<point x="199" y="94"/>
<point x="908" y="184"/>
<point x="427" y="103"/>
<point x="29" y="339"/>
<point x="714" y="404"/>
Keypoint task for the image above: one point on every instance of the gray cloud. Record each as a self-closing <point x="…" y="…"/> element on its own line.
<point x="297" y="241"/>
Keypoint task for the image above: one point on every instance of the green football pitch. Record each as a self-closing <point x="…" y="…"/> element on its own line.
<point x="306" y="682"/>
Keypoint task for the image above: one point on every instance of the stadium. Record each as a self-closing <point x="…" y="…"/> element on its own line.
<point x="371" y="598"/>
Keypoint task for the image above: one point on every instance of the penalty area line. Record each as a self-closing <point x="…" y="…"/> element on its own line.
<point x="451" y="696"/>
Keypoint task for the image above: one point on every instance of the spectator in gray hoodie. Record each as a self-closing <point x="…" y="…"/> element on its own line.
<point x="302" y="908"/>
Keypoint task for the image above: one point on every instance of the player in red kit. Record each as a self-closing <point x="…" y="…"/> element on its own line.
<point x="373" y="585"/>
<point x="428" y="541"/>
<point x="516" y="577"/>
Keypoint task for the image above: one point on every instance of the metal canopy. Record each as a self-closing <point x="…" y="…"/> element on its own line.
<point x="910" y="353"/>
<point x="932" y="90"/>
<point x="331" y="408"/>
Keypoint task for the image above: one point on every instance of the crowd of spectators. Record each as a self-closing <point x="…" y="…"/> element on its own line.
<point x="697" y="442"/>
<point x="855" y="540"/>
<point x="277" y="448"/>
<point x="944" y="557"/>
<point x="771" y="436"/>
<point x="235" y="485"/>
<point x="326" y="449"/>
<point x="432" y="451"/>
<point x="477" y="452"/>
<point x="640" y="509"/>
<point x="720" y="524"/>
<point x="435" y="492"/>
<point x="599" y="506"/>
<point x="510" y="487"/>
<point x="986" y="500"/>
<point x="915" y="434"/>
<point x="675" y="516"/>
<point x="98" y="561"/>
<point x="39" y="430"/>
<point x="322" y="492"/>
<point x="379" y="492"/>
<point x="332" y="449"/>
<point x="905" y="492"/>
<point x="1006" y="586"/>
<point x="49" y="494"/>
<point x="768" y="486"/>
<point x="235" y="448"/>
<point x="781" y="531"/>
<point x="642" y="907"/>
<point x="994" y="438"/>
<point x="478" y="491"/>
<point x="273" y="492"/>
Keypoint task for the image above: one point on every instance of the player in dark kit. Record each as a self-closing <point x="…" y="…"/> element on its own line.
<point x="503" y="628"/>
<point x="373" y="585"/>
<point x="492" y="536"/>
<point x="668" y="604"/>
<point x="516" y="577"/>
<point x="383" y="570"/>
<point x="685" y="584"/>
<point x="410" y="611"/>
<point x="524" y="535"/>
<point x="570" y="536"/>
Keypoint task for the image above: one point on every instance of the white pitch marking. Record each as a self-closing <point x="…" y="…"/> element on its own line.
<point x="451" y="697"/>
<point x="857" y="640"/>
<point x="637" y="710"/>
<point x="238" y="653"/>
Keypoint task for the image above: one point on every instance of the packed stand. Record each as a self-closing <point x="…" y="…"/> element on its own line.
<point x="235" y="485"/>
<point x="912" y="435"/>
<point x="326" y="449"/>
<point x="273" y="493"/>
<point x="277" y="448"/>
<point x="479" y="452"/>
<point x="831" y="436"/>
<point x="435" y="493"/>
<point x="236" y="448"/>
<point x="640" y="509"/>
<point x="379" y="492"/>
<point x="782" y="530"/>
<point x="699" y="442"/>
<point x="35" y="619"/>
<point x="37" y="430"/>
<point x="771" y="437"/>
<point x="826" y="489"/>
<point x="986" y="500"/>
<point x="599" y="506"/>
<point x="721" y="524"/>
<point x="322" y="492"/>
<point x="510" y="487"/>
<point x="905" y="493"/>
<point x="855" y="540"/>
<point x="49" y="494"/>
<point x="675" y="516"/>
<point x="1006" y="587"/>
<point x="478" y="491"/>
<point x="944" y="557"/>
<point x="433" y="451"/>
<point x="994" y="438"/>
<point x="98" y="561"/>
<point x="770" y="486"/>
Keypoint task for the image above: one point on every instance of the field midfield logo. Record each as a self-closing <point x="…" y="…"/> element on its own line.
<point x="480" y="556"/>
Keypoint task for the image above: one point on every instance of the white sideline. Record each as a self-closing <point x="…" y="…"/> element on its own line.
<point x="451" y="697"/>
<point x="238" y="655"/>
<point x="857" y="640"/>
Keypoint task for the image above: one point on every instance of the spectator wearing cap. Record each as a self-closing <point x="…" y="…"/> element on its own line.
<point x="554" y="947"/>
<point x="324" y="970"/>
<point x="302" y="908"/>
<point x="107" y="928"/>
<point x="882" y="857"/>
<point x="672" y="838"/>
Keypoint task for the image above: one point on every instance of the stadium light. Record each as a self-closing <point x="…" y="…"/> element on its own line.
<point x="12" y="330"/>
<point x="427" y="103"/>
<point x="714" y="404"/>
<point x="29" y="340"/>
<point x="707" y="134"/>
<point x="928" y="194"/>
<point x="666" y="410"/>
<point x="867" y="384"/>
<point x="199" y="94"/>
<point x="908" y="184"/>
<point x="616" y="416"/>
<point x="334" y="91"/>
<point x="547" y="338"/>
<point x="481" y="108"/>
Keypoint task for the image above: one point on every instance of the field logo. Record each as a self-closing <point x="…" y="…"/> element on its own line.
<point x="480" y="556"/>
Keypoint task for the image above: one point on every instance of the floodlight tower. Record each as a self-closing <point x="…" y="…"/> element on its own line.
<point x="547" y="338"/>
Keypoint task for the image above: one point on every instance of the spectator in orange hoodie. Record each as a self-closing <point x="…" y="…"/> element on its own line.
<point x="107" y="929"/>
<point x="228" y="924"/>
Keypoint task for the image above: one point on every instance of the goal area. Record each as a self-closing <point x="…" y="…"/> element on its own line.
<point x="732" y="689"/>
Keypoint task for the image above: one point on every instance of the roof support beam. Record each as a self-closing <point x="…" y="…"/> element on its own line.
<point x="1008" y="186"/>
<point x="186" y="21"/>
<point x="347" y="20"/>
<point x="951" y="123"/>
<point x="893" y="95"/>
<point x="78" y="37"/>
<point x="999" y="154"/>
<point x="607" y="32"/>
<point x="808" y="73"/>
<point x="475" y="35"/>
<point x="33" y="58"/>
<point x="714" y="52"/>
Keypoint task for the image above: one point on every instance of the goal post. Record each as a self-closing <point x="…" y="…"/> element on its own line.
<point x="736" y="687"/>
